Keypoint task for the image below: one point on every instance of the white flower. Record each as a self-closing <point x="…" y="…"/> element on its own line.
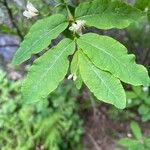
<point x="146" y="9"/>
<point x="81" y="23"/>
<point x="31" y="11"/>
<point x="29" y="14"/>
<point x="30" y="7"/>
<point x="145" y="89"/>
<point x="77" y="26"/>
<point x="129" y="135"/>
<point x="129" y="101"/>
<point x="73" y="27"/>
<point x="72" y="76"/>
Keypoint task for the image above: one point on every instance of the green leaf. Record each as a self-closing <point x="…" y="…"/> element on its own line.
<point x="2" y="75"/>
<point x="104" y="86"/>
<point x="139" y="146"/>
<point x="143" y="109"/>
<point x="131" y="95"/>
<point x="75" y="63"/>
<point x="109" y="55"/>
<point x="145" y="117"/>
<point x="47" y="71"/>
<point x="105" y="14"/>
<point x="148" y="14"/>
<point x="75" y="70"/>
<point x="78" y="81"/>
<point x="137" y="90"/>
<point x="136" y="130"/>
<point x="128" y="142"/>
<point x="142" y="4"/>
<point x="40" y="36"/>
<point x="147" y="142"/>
<point x="147" y="100"/>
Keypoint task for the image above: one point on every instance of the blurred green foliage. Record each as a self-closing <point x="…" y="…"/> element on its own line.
<point x="144" y="5"/>
<point x="138" y="101"/>
<point x="138" y="141"/>
<point x="52" y="124"/>
<point x="140" y="98"/>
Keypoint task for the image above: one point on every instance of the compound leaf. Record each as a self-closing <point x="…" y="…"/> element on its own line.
<point x="105" y="14"/>
<point x="110" y="55"/>
<point x="40" y="36"/>
<point x="104" y="86"/>
<point x="47" y="71"/>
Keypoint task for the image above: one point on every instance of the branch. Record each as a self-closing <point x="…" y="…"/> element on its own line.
<point x="9" y="45"/>
<point x="12" y="18"/>
<point x="94" y="142"/>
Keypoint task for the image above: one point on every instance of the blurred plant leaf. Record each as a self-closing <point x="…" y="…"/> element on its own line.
<point x="128" y="142"/>
<point x="136" y="130"/>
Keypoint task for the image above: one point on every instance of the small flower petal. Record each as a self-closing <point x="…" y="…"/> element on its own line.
<point x="71" y="28"/>
<point x="145" y="89"/>
<point x="70" y="76"/>
<point x="31" y="8"/>
<point x="74" y="77"/>
<point x="81" y="22"/>
<point x="77" y="27"/>
<point x="29" y="14"/>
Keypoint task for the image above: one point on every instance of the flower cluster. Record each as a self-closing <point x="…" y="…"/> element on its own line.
<point x="72" y="76"/>
<point x="77" y="26"/>
<point x="31" y="11"/>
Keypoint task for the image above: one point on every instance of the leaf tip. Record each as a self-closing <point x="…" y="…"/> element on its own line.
<point x="121" y="106"/>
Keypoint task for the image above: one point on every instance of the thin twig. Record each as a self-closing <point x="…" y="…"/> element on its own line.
<point x="9" y="45"/>
<point x="12" y="19"/>
<point x="93" y="105"/>
<point x="94" y="142"/>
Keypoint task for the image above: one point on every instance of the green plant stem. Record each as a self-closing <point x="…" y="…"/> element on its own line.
<point x="70" y="16"/>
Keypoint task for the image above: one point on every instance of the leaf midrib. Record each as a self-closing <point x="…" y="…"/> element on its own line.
<point x="92" y="68"/>
<point x="125" y="66"/>
<point x="101" y="14"/>
<point x="39" y="39"/>
<point x="103" y="51"/>
<point x="45" y="74"/>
